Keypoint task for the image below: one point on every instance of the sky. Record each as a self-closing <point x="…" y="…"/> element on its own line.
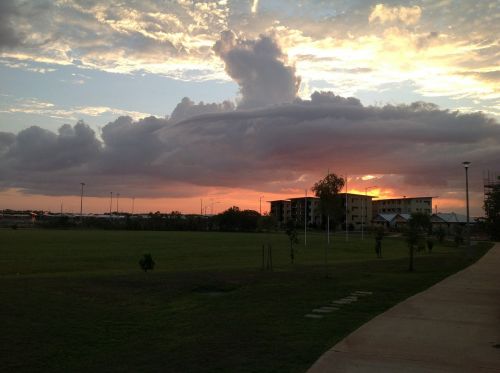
<point x="175" y="105"/>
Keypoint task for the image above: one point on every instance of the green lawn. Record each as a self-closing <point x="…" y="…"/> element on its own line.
<point x="77" y="300"/>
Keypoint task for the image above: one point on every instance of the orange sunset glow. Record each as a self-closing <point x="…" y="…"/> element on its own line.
<point x="231" y="102"/>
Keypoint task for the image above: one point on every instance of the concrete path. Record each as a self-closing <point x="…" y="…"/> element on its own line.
<point x="453" y="326"/>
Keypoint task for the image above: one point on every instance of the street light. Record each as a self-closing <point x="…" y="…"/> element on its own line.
<point x="363" y="210"/>
<point x="110" y="203"/>
<point x="466" y="166"/>
<point x="81" y="202"/>
<point x="260" y="205"/>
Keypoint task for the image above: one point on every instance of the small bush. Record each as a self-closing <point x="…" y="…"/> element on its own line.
<point x="147" y="262"/>
<point x="430" y="245"/>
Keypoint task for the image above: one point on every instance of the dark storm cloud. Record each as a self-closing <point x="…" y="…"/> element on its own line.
<point x="328" y="131"/>
<point x="9" y="36"/>
<point x="266" y="149"/>
<point x="259" y="67"/>
<point x="37" y="149"/>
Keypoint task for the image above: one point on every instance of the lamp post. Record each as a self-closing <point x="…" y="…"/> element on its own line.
<point x="305" y="217"/>
<point x="363" y="210"/>
<point x="346" y="211"/>
<point x="260" y="205"/>
<point x="110" y="203"/>
<point x="81" y="202"/>
<point x="466" y="166"/>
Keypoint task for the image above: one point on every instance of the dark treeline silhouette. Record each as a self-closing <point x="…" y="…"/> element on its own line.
<point x="231" y="220"/>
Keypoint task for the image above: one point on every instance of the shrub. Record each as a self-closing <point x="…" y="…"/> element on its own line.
<point x="147" y="262"/>
<point x="430" y="245"/>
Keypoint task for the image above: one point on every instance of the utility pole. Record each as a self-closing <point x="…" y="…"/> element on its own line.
<point x="363" y="208"/>
<point x="346" y="199"/>
<point x="81" y="202"/>
<point x="305" y="218"/>
<point x="466" y="166"/>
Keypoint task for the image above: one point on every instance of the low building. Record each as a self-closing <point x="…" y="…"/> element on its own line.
<point x="402" y="205"/>
<point x="384" y="220"/>
<point x="391" y="220"/>
<point x="448" y="221"/>
<point x="17" y="220"/>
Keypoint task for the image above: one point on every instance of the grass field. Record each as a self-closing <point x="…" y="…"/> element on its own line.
<point x="77" y="301"/>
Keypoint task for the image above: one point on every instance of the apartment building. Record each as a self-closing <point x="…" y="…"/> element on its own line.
<point x="293" y="209"/>
<point x="359" y="210"/>
<point x="402" y="205"/>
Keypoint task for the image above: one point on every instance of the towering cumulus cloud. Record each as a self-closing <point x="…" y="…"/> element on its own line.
<point x="260" y="69"/>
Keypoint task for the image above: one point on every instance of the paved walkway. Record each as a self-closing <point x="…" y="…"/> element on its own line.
<point x="453" y="326"/>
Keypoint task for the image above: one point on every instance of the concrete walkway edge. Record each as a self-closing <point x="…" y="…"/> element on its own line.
<point x="454" y="326"/>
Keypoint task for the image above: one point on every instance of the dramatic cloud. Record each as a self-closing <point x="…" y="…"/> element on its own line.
<point x="187" y="109"/>
<point x="36" y="149"/>
<point x="435" y="49"/>
<point x="9" y="37"/>
<point x="407" y="15"/>
<point x="259" y="67"/>
<point x="273" y="149"/>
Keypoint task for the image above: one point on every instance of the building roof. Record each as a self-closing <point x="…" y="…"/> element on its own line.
<point x="357" y="195"/>
<point x="385" y="217"/>
<point x="395" y="199"/>
<point x="308" y="197"/>
<point x="450" y="217"/>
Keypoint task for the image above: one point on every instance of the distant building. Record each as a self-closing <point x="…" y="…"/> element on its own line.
<point x="311" y="212"/>
<point x="448" y="221"/>
<point x="281" y="210"/>
<point x="402" y="205"/>
<point x="359" y="210"/>
<point x="21" y="220"/>
<point x="384" y="220"/>
<point x="292" y="209"/>
<point x="391" y="220"/>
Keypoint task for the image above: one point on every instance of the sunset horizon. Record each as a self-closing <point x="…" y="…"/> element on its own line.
<point x="230" y="101"/>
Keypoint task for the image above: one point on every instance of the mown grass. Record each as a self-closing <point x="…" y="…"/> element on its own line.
<point x="77" y="300"/>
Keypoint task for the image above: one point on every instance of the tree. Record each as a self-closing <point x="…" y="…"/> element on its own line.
<point x="379" y="235"/>
<point x="234" y="219"/>
<point x="418" y="225"/>
<point x="430" y="245"/>
<point x="267" y="223"/>
<point x="440" y="234"/>
<point x="458" y="235"/>
<point x="492" y="211"/>
<point x="147" y="262"/>
<point x="291" y="232"/>
<point x="327" y="190"/>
